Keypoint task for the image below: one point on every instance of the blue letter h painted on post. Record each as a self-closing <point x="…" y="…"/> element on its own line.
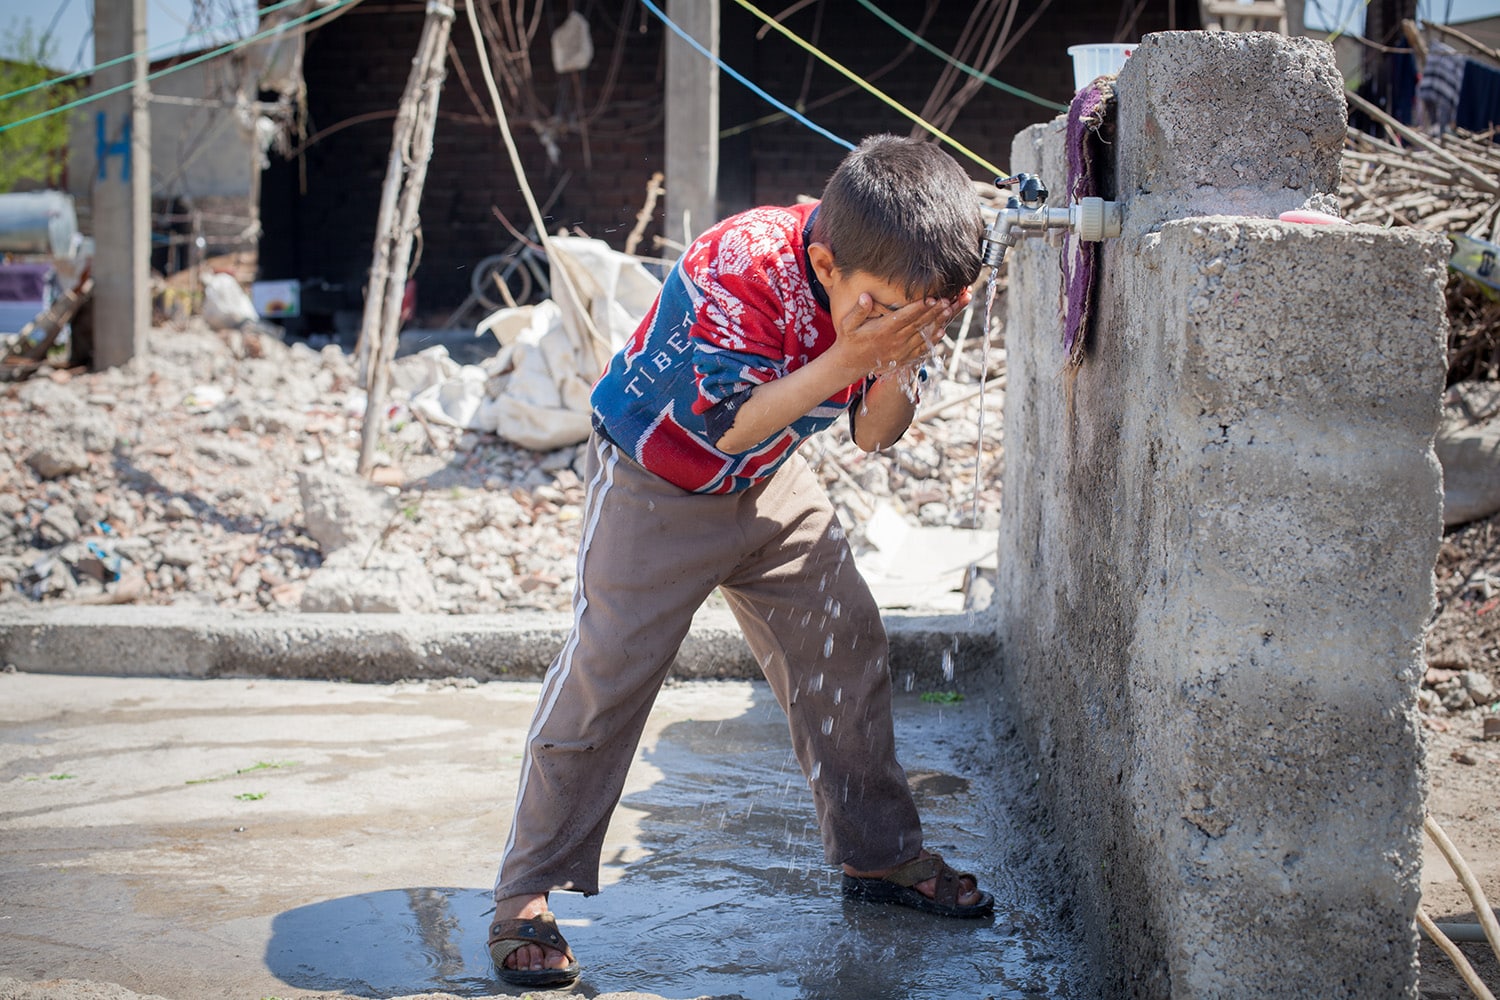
<point x="104" y="149"/>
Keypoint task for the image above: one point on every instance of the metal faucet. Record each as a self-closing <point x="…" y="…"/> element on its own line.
<point x="1026" y="214"/>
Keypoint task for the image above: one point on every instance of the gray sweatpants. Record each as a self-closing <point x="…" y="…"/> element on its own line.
<point x="651" y="553"/>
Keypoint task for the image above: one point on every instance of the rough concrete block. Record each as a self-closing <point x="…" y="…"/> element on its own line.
<point x="1225" y="122"/>
<point x="1216" y="555"/>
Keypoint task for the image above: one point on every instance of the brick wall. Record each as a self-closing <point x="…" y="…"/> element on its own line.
<point x="319" y="209"/>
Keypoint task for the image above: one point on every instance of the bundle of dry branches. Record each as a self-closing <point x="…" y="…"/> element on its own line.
<point x="1450" y="185"/>
<point x="1447" y="183"/>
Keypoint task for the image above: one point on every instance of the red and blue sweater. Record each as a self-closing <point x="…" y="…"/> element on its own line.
<point x="740" y="308"/>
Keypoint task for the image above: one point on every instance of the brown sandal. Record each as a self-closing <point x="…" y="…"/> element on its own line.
<point x="506" y="936"/>
<point x="897" y="887"/>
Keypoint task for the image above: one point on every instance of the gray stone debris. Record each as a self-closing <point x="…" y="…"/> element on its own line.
<point x="219" y="470"/>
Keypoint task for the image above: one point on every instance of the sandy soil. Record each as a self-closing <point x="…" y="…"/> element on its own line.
<point x="1464" y="799"/>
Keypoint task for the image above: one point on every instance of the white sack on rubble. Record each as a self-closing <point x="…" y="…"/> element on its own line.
<point x="225" y="304"/>
<point x="462" y="400"/>
<point x="549" y="359"/>
<point x="535" y="391"/>
<point x="544" y="402"/>
<point x="415" y="372"/>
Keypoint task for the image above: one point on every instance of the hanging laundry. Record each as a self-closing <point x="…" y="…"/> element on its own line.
<point x="1479" y="100"/>
<point x="1438" y="90"/>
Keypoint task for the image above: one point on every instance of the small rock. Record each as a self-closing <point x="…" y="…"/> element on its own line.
<point x="1481" y="689"/>
<point x="57" y="459"/>
<point x="556" y="461"/>
<point x="1456" y="697"/>
<point x="180" y="554"/>
<point x="178" y="509"/>
<point x="390" y="583"/>
<point x="58" y="525"/>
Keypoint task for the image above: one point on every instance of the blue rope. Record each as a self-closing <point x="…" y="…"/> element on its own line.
<point x="742" y="79"/>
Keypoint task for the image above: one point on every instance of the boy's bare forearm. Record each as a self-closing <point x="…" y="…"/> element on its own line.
<point x="885" y="412"/>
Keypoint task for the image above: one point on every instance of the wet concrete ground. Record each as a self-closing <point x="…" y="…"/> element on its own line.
<point x="254" y="839"/>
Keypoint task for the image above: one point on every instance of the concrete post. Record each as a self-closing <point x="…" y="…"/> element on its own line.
<point x="121" y="186"/>
<point x="1218" y="538"/>
<point x="692" y="128"/>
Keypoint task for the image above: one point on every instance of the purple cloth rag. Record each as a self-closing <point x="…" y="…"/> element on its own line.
<point x="1093" y="107"/>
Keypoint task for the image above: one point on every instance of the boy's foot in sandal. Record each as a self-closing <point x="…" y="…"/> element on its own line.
<point x="526" y="946"/>
<point x="924" y="883"/>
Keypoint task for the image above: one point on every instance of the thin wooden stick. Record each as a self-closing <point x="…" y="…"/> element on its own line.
<point x="1447" y="947"/>
<point x="1480" y="181"/>
<point x="411" y="150"/>
<point x="1470" y="883"/>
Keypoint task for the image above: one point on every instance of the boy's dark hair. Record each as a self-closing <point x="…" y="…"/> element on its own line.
<point x="902" y="211"/>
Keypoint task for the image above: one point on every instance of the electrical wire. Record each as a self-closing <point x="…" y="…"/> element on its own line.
<point x="911" y="36"/>
<point x="560" y="270"/>
<point x="58" y="80"/>
<point x="743" y="79"/>
<point x="1357" y="9"/>
<point x="874" y="91"/>
<point x="337" y="7"/>
<point x="832" y="95"/>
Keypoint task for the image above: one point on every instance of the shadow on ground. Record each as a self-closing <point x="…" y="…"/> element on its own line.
<point x="724" y="891"/>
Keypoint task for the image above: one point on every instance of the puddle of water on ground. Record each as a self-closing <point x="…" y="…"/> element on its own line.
<point x="732" y="897"/>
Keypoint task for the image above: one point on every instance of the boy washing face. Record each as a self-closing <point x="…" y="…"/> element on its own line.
<point x="774" y="324"/>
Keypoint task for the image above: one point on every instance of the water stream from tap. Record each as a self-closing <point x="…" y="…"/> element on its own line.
<point x="984" y="374"/>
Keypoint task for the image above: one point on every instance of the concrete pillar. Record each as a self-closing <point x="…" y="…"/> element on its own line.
<point x="121" y="186"/>
<point x="692" y="128"/>
<point x="1218" y="538"/>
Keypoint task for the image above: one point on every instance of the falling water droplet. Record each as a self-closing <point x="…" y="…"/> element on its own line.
<point x="817" y="769"/>
<point x="911" y="680"/>
<point x="816" y="684"/>
<point x="947" y="664"/>
<point x="838" y="696"/>
<point x="828" y="725"/>
<point x="828" y="646"/>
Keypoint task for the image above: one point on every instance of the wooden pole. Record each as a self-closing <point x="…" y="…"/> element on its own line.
<point x="396" y="225"/>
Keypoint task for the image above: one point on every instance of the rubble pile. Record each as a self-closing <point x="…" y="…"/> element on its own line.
<point x="219" y="470"/>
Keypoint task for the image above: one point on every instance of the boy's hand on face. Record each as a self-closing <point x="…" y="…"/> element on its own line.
<point x="874" y="339"/>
